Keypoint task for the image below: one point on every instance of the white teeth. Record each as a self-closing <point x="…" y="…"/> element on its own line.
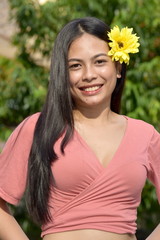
<point x="89" y="89"/>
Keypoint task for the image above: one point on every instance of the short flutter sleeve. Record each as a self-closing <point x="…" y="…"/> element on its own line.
<point x="154" y="161"/>
<point x="14" y="161"/>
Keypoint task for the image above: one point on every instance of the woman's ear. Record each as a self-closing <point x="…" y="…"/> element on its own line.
<point x="118" y="69"/>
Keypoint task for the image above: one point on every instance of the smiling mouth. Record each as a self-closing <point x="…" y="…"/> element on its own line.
<point x="91" y="89"/>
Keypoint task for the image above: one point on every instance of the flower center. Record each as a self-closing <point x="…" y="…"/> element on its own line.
<point x="120" y="44"/>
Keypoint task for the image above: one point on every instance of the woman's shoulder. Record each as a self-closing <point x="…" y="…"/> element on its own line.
<point x="22" y="136"/>
<point x="26" y="128"/>
<point x="29" y="121"/>
<point x="139" y="122"/>
<point x="141" y="126"/>
<point x="32" y="118"/>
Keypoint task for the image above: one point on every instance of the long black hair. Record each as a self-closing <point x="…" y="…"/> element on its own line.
<point x="56" y="117"/>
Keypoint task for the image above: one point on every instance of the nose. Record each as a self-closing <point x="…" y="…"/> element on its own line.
<point x="89" y="73"/>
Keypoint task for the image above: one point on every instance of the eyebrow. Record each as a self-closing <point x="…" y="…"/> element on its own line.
<point x="80" y="60"/>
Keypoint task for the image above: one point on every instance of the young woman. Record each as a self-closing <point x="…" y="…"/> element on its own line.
<point x="82" y="165"/>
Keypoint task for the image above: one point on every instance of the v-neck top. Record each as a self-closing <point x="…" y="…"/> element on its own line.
<point x="87" y="195"/>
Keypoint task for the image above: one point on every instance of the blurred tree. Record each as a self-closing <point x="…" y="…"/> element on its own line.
<point x="23" y="81"/>
<point x="39" y="24"/>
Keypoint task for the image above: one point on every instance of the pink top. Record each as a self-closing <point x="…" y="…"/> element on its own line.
<point x="87" y="195"/>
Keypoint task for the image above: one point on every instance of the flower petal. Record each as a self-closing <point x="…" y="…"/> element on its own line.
<point x="122" y="43"/>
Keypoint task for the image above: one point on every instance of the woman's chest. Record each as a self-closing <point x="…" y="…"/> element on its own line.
<point x="79" y="167"/>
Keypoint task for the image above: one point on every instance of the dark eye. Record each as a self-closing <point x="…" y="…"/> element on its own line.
<point x="100" y="61"/>
<point x="75" y="66"/>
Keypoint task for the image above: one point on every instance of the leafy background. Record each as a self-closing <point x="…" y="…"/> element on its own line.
<point x="23" y="81"/>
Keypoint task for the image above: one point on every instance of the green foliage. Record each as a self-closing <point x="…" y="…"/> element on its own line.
<point x="22" y="90"/>
<point x="23" y="83"/>
<point x="142" y="98"/>
<point x="39" y="24"/>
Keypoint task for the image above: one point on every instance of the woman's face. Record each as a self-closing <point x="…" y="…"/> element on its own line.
<point x="92" y="73"/>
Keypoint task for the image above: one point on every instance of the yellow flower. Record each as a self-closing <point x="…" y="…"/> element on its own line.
<point x="122" y="43"/>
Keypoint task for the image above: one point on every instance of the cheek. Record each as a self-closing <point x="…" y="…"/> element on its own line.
<point x="109" y="72"/>
<point x="74" y="78"/>
<point x="74" y="94"/>
<point x="73" y="90"/>
<point x="76" y="74"/>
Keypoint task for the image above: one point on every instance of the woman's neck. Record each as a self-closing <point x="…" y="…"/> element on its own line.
<point x="92" y="117"/>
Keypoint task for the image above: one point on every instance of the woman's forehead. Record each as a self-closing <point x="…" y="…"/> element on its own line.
<point x="87" y="43"/>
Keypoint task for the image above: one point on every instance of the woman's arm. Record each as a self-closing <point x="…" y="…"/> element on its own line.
<point x="9" y="228"/>
<point x="155" y="235"/>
